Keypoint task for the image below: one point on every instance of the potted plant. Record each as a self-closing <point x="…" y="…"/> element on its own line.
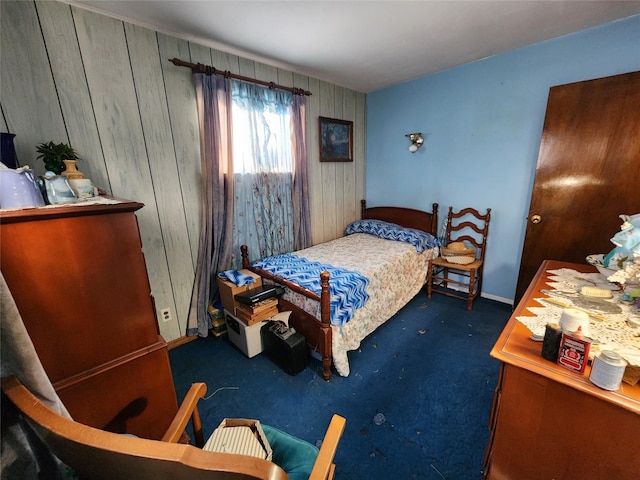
<point x="54" y="154"/>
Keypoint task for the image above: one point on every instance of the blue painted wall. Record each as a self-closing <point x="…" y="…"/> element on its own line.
<point x="482" y="124"/>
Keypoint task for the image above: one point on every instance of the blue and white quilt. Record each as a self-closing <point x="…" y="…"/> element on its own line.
<point x="348" y="289"/>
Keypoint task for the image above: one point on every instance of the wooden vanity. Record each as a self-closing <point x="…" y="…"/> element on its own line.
<point x="550" y="423"/>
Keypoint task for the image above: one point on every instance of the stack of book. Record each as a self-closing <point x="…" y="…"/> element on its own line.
<point x="218" y="324"/>
<point x="257" y="312"/>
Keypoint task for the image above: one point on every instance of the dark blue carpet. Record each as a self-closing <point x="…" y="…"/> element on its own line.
<point x="427" y="371"/>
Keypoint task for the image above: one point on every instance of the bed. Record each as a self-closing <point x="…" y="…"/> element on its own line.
<point x="394" y="271"/>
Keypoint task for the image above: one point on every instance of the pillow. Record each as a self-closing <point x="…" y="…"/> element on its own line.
<point x="295" y="456"/>
<point x="419" y="239"/>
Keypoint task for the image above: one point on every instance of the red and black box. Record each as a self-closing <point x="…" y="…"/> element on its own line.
<point x="574" y="352"/>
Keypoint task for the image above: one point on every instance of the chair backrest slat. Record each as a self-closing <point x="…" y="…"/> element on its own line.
<point x="460" y="223"/>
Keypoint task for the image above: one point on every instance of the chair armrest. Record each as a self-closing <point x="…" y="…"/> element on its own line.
<point x="323" y="467"/>
<point x="188" y="409"/>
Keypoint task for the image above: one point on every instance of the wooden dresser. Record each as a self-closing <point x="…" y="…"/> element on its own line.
<point x="550" y="423"/>
<point x="78" y="277"/>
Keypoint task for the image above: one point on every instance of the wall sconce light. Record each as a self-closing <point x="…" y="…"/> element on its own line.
<point x="416" y="141"/>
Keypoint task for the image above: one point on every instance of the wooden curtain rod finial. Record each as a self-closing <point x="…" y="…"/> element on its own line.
<point x="208" y="70"/>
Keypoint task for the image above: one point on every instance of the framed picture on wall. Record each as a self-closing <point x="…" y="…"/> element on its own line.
<point x="336" y="140"/>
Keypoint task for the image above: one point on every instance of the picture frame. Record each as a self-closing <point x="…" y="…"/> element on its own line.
<point x="336" y="140"/>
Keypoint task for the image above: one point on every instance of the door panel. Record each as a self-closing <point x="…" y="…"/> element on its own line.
<point x="588" y="172"/>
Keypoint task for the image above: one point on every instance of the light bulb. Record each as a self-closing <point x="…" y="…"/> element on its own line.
<point x="413" y="148"/>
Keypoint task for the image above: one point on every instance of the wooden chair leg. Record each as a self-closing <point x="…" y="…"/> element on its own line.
<point x="472" y="281"/>
<point x="479" y="283"/>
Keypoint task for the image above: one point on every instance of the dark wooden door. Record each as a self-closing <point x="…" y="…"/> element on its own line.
<point x="588" y="172"/>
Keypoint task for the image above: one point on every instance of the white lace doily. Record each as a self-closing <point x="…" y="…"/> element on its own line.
<point x="616" y="332"/>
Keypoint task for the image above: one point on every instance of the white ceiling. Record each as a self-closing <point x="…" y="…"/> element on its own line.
<point x="365" y="45"/>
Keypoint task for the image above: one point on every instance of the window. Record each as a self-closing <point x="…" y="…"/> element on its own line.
<point x="263" y="164"/>
<point x="272" y="137"/>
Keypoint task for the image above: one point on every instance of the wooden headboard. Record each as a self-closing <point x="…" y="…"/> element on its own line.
<point x="405" y="217"/>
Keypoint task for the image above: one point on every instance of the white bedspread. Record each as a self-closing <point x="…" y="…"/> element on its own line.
<point x="396" y="274"/>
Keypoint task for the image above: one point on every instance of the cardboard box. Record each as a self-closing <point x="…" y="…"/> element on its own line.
<point x="240" y="436"/>
<point x="246" y="337"/>
<point x="229" y="289"/>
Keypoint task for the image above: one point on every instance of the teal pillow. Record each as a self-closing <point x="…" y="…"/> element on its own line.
<point x="296" y="457"/>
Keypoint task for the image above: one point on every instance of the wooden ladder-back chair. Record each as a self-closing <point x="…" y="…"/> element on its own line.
<point x="470" y="227"/>
<point x="97" y="454"/>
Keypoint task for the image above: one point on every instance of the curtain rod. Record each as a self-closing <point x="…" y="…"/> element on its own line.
<point x="208" y="70"/>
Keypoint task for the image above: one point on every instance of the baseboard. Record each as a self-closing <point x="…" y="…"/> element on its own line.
<point x="484" y="295"/>
<point x="180" y="341"/>
<point x="508" y="301"/>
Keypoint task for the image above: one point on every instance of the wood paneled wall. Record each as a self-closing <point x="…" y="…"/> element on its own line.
<point x="106" y="87"/>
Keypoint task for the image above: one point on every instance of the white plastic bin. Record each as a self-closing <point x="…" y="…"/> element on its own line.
<point x="246" y="338"/>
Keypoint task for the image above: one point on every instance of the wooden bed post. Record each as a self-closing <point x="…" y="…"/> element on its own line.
<point x="434" y="220"/>
<point x="325" y="326"/>
<point x="244" y="251"/>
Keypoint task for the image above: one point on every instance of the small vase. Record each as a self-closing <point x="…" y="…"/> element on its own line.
<point x="71" y="170"/>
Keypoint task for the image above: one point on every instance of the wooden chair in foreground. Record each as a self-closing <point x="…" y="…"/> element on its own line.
<point x="470" y="227"/>
<point x="97" y="454"/>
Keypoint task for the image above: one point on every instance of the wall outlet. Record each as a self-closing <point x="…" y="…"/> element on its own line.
<point x="165" y="314"/>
